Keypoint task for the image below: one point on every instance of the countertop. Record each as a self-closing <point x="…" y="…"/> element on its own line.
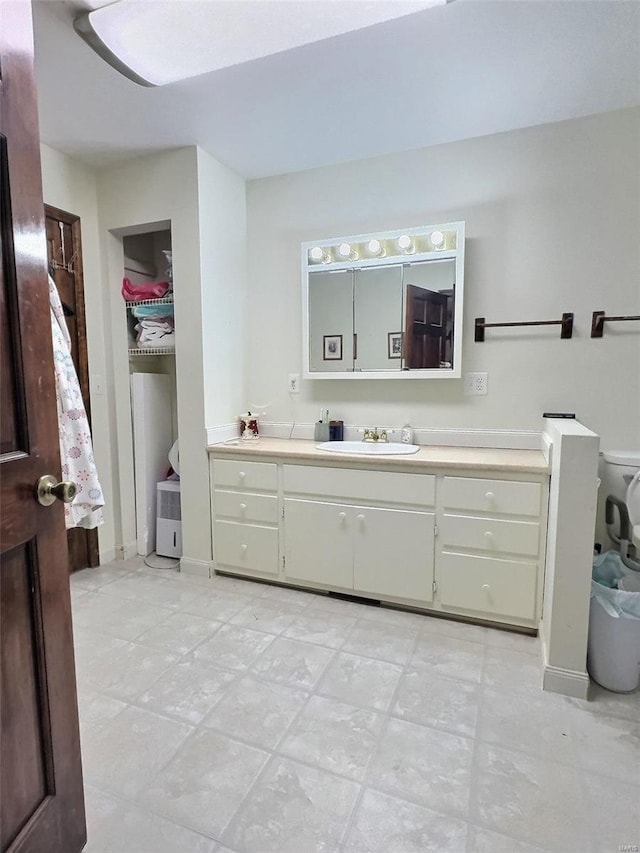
<point x="471" y="458"/>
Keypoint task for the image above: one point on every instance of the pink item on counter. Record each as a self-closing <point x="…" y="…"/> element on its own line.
<point x="136" y="292"/>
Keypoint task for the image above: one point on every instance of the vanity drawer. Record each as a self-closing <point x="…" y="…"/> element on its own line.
<point x="488" y="585"/>
<point x="349" y="484"/>
<point x="245" y="506"/>
<point x="246" y="546"/>
<point x="494" y="496"/>
<point x="245" y="475"/>
<point x="490" y="534"/>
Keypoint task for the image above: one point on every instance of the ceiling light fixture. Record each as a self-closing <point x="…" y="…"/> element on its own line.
<point x="160" y="42"/>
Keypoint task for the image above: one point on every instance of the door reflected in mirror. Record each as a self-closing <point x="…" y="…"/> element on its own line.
<point x="385" y="305"/>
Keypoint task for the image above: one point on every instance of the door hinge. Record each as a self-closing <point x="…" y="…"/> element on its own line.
<point x="283" y="562"/>
<point x="435" y="529"/>
<point x="434" y="587"/>
<point x="283" y="512"/>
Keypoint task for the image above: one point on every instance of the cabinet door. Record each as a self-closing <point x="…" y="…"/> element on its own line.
<point x="394" y="553"/>
<point x="319" y="543"/>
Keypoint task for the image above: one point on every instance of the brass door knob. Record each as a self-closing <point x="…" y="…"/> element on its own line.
<point x="48" y="490"/>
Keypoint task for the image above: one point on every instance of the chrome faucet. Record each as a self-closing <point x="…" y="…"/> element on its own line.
<point x="374" y="435"/>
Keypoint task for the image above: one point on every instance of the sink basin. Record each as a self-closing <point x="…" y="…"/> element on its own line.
<point x="369" y="448"/>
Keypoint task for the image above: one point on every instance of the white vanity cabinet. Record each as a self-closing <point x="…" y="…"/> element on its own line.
<point x="370" y="532"/>
<point x="436" y="533"/>
<point x="245" y="517"/>
<point x="490" y="555"/>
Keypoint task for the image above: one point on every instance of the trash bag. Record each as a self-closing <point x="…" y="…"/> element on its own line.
<point x="608" y="569"/>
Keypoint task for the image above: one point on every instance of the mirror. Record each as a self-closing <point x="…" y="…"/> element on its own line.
<point x="385" y="305"/>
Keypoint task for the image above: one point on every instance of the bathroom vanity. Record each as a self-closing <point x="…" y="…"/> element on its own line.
<point x="456" y="530"/>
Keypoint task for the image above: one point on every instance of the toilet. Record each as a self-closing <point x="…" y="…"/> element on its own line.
<point x="621" y="487"/>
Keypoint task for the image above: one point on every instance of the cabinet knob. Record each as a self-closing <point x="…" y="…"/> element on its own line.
<point x="486" y="587"/>
<point x="243" y="548"/>
<point x="241" y="475"/>
<point x="360" y="517"/>
<point x="489" y="496"/>
<point x="342" y="516"/>
<point x="488" y="536"/>
<point x="243" y="507"/>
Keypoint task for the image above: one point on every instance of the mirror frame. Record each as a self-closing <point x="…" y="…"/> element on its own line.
<point x="420" y="233"/>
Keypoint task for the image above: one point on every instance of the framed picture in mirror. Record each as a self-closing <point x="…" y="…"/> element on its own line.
<point x="332" y="347"/>
<point x="394" y="345"/>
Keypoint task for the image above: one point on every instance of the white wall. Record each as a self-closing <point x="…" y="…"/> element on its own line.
<point x="223" y="259"/>
<point x="205" y="205"/>
<point x="567" y="583"/>
<point x="552" y="223"/>
<point x="71" y="186"/>
<point x="159" y="188"/>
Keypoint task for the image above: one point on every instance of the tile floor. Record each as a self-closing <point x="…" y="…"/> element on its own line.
<point x="225" y="715"/>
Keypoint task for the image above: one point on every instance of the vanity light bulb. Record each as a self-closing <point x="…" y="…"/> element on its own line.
<point x="344" y="250"/>
<point x="374" y="247"/>
<point x="404" y="242"/>
<point x="316" y="254"/>
<point x="437" y="239"/>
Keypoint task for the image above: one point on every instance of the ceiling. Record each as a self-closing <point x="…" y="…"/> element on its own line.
<point x="471" y="68"/>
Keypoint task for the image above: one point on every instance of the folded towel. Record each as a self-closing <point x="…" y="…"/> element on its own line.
<point x="166" y="340"/>
<point x="151" y="290"/>
<point x="155" y="312"/>
<point x="155" y="334"/>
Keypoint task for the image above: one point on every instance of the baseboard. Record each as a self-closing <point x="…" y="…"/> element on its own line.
<point x="107" y="555"/>
<point x="568" y="682"/>
<point x="199" y="568"/>
<point x="556" y="679"/>
<point x="126" y="552"/>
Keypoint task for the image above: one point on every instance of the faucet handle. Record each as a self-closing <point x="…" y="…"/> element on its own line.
<point x="382" y="435"/>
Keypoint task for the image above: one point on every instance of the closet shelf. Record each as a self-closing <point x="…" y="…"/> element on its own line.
<point x="152" y="351"/>
<point x="165" y="300"/>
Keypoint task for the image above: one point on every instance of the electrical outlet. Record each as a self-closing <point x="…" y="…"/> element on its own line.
<point x="294" y="383"/>
<point x="96" y="384"/>
<point x="476" y="383"/>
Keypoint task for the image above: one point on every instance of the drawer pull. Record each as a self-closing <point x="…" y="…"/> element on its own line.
<point x="486" y="587"/>
<point x="488" y="536"/>
<point x="241" y="475"/>
<point x="489" y="496"/>
<point x="243" y="548"/>
<point x="243" y="507"/>
<point x="342" y="516"/>
<point x="360" y="517"/>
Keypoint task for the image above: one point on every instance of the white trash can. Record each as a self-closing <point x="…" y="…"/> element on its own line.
<point x="613" y="657"/>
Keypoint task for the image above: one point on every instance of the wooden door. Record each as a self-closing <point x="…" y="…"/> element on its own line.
<point x="424" y="339"/>
<point x="64" y="252"/>
<point x="42" y="805"/>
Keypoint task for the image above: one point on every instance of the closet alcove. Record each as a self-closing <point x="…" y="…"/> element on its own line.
<point x="152" y="382"/>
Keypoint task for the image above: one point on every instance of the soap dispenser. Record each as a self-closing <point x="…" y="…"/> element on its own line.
<point x="406" y="436"/>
